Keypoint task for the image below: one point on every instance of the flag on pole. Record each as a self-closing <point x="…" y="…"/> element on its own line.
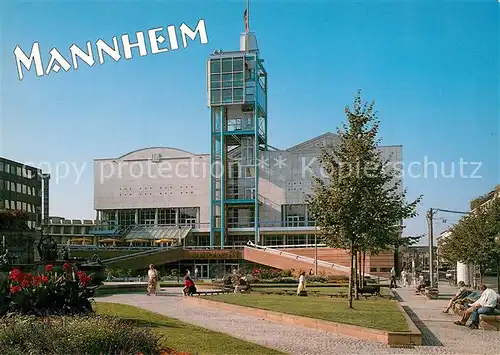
<point x="245" y="17"/>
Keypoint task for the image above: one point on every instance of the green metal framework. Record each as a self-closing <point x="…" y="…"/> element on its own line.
<point x="237" y="97"/>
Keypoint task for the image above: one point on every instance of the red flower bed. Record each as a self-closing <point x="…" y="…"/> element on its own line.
<point x="49" y="293"/>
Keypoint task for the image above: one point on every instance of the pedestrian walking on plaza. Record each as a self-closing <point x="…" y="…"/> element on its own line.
<point x="302" y="284"/>
<point x="393" y="278"/>
<point x="196" y="273"/>
<point x="153" y="284"/>
<point x="404" y="280"/>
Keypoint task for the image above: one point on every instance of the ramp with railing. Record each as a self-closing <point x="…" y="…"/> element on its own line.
<point x="141" y="259"/>
<point x="285" y="260"/>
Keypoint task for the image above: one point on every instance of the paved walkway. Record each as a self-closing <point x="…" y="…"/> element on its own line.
<point x="438" y="330"/>
<point x="441" y="336"/>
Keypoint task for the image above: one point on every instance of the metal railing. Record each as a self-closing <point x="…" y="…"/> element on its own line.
<point x="312" y="261"/>
<point x="141" y="253"/>
<point x="200" y="226"/>
<point x="78" y="247"/>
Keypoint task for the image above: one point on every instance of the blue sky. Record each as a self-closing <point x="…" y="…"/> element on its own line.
<point x="432" y="68"/>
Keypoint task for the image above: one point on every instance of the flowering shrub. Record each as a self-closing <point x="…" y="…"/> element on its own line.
<point x="264" y="275"/>
<point x="49" y="293"/>
<point x="77" y="335"/>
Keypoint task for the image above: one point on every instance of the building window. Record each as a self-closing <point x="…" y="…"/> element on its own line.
<point x="12" y="187"/>
<point x="166" y="216"/>
<point x="295" y="215"/>
<point x="108" y="217"/>
<point x="271" y="240"/>
<point x="1" y="166"/>
<point x="24" y="189"/>
<point x="296" y="240"/>
<point x="19" y="171"/>
<point x="147" y="216"/>
<point x="19" y="188"/>
<point x="126" y="217"/>
<point x="7" y="204"/>
<point x="188" y="216"/>
<point x="18" y="205"/>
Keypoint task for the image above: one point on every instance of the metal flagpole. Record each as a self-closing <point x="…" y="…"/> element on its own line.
<point x="247" y="27"/>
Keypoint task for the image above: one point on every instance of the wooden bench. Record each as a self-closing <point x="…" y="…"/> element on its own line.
<point x="432" y="293"/>
<point x="209" y="293"/>
<point x="336" y="294"/>
<point x="490" y="322"/>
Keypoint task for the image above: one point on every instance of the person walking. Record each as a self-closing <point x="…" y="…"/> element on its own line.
<point x="404" y="279"/>
<point x="152" y="280"/>
<point x="302" y="283"/>
<point x="196" y="273"/>
<point x="393" y="278"/>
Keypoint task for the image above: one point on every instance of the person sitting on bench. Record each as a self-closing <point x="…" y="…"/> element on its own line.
<point x="461" y="293"/>
<point x="240" y="285"/>
<point x="422" y="284"/>
<point x="189" y="287"/>
<point x="484" y="305"/>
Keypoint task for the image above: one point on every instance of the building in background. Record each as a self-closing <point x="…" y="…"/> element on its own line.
<point x="242" y="190"/>
<point x="65" y="231"/>
<point x="21" y="188"/>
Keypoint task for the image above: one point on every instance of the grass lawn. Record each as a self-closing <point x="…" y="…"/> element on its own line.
<point x="321" y="290"/>
<point x="375" y="313"/>
<point x="309" y="284"/>
<point x="182" y="336"/>
<point x="384" y="291"/>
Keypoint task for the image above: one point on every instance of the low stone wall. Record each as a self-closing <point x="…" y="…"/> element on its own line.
<point x="490" y="322"/>
<point x="411" y="337"/>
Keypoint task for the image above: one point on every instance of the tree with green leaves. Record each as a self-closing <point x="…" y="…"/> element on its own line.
<point x="473" y="239"/>
<point x="358" y="204"/>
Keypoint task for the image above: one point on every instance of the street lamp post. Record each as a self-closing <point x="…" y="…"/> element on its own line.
<point x="315" y="249"/>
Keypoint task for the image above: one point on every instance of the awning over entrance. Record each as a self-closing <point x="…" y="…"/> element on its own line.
<point x="157" y="233"/>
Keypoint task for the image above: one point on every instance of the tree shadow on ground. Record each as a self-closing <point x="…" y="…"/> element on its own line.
<point x="428" y="337"/>
<point x="145" y="323"/>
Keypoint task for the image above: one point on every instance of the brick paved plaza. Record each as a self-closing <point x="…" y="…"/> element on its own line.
<point x="440" y="335"/>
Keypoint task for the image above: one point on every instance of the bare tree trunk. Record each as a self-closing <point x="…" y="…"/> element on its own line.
<point x="364" y="266"/>
<point x="360" y="270"/>
<point x="349" y="296"/>
<point x="356" y="281"/>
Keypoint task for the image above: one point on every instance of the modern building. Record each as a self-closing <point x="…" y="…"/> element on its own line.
<point x="242" y="190"/>
<point x="22" y="188"/>
<point x="74" y="231"/>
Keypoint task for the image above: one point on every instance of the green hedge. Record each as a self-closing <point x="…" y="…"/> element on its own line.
<point x="76" y="335"/>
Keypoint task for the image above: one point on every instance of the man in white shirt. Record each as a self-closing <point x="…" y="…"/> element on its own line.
<point x="486" y="304"/>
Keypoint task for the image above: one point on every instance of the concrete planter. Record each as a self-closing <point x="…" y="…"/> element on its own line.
<point x="411" y="337"/>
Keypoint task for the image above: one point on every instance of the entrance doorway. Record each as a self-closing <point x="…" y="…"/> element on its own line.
<point x="202" y="271"/>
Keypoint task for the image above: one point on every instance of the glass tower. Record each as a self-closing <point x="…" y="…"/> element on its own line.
<point x="237" y="97"/>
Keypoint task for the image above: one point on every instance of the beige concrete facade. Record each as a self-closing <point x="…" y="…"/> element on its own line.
<point x="153" y="182"/>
